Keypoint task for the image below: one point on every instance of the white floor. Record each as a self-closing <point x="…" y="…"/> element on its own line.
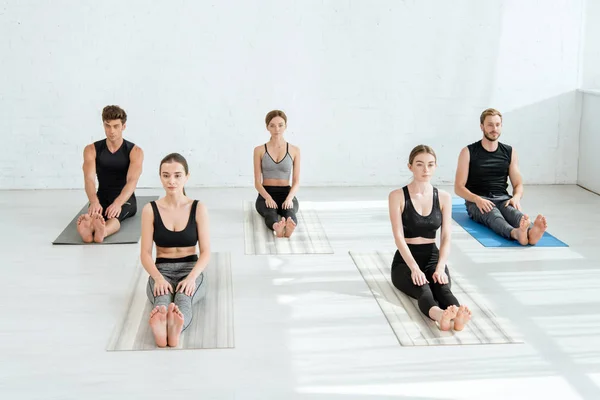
<point x="306" y="326"/>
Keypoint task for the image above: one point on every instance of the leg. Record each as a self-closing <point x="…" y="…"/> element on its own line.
<point x="444" y="296"/>
<point x="128" y="210"/>
<point x="496" y="222"/>
<point x="181" y="313"/>
<point x="85" y="228"/>
<point x="270" y="215"/>
<point x="158" y="315"/>
<point x="104" y="228"/>
<point x="291" y="221"/>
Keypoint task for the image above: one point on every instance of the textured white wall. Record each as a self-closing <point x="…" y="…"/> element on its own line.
<point x="590" y="79"/>
<point x="589" y="162"/>
<point x="362" y="83"/>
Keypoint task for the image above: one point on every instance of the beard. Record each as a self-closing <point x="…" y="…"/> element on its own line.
<point x="490" y="136"/>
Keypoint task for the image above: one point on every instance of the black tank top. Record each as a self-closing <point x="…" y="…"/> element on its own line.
<point x="111" y="168"/>
<point x="416" y="225"/>
<point x="163" y="237"/>
<point x="488" y="171"/>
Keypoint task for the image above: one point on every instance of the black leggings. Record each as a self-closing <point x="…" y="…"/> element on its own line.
<point x="428" y="295"/>
<point x="128" y="209"/>
<point x="272" y="215"/>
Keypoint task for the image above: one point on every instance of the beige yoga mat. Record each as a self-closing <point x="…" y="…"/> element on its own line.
<point x="308" y="238"/>
<point x="212" y="323"/>
<point x="412" y="328"/>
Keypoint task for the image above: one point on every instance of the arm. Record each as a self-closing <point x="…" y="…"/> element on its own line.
<point x="462" y="173"/>
<point x="446" y="205"/>
<point x="147" y="242"/>
<point x="296" y="174"/>
<point x="396" y="203"/>
<point x="258" y="174"/>
<point x="136" y="158"/>
<point x="514" y="174"/>
<point x="89" y="173"/>
<point x="203" y="241"/>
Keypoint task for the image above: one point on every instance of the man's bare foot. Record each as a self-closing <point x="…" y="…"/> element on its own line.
<point x="279" y="227"/>
<point x="462" y="317"/>
<point x="99" y="228"/>
<point x="290" y="225"/>
<point x="158" y="323"/>
<point x="447" y="317"/>
<point x="84" y="227"/>
<point x="520" y="233"/>
<point x="174" y="325"/>
<point x="539" y="227"/>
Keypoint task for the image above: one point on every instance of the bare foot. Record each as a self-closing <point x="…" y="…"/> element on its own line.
<point x="158" y="323"/>
<point x="462" y="317"/>
<point x="520" y="233"/>
<point x="447" y="317"/>
<point x="84" y="227"/>
<point x="279" y="227"/>
<point x="99" y="228"/>
<point x="539" y="227"/>
<point x="174" y="325"/>
<point x="290" y="225"/>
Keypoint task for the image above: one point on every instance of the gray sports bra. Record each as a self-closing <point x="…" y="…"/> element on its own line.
<point x="277" y="170"/>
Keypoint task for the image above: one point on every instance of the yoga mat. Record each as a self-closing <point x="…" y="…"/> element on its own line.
<point x="212" y="322"/>
<point x="129" y="233"/>
<point x="411" y="327"/>
<point x="489" y="238"/>
<point x="308" y="238"/>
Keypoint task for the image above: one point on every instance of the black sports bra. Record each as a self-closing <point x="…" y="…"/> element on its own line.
<point x="416" y="225"/>
<point x="163" y="237"/>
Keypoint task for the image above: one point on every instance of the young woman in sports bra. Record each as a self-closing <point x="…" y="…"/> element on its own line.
<point x="419" y="268"/>
<point x="176" y="224"/>
<point x="273" y="165"/>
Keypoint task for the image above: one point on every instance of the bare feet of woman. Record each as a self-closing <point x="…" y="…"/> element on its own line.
<point x="158" y="323"/>
<point x="462" y="317"/>
<point x="290" y="225"/>
<point x="520" y="233"/>
<point x="447" y="317"/>
<point x="539" y="227"/>
<point x="84" y="227"/>
<point x="99" y="228"/>
<point x="174" y="325"/>
<point x="279" y="227"/>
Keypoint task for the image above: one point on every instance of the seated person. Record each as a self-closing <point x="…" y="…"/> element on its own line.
<point x="118" y="165"/>
<point x="175" y="224"/>
<point x="419" y="268"/>
<point x="273" y="164"/>
<point x="482" y="179"/>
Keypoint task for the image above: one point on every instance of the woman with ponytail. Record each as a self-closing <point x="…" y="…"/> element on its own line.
<point x="177" y="225"/>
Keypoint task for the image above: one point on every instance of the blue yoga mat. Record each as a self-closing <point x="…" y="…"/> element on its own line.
<point x="489" y="238"/>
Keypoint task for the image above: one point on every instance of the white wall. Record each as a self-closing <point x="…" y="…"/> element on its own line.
<point x="590" y="79"/>
<point x="362" y="83"/>
<point x="589" y="162"/>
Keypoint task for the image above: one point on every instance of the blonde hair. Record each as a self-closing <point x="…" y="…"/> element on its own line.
<point x="489" y="112"/>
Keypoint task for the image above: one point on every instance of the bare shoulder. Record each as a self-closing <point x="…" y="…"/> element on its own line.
<point x="137" y="150"/>
<point x="147" y="211"/>
<point x="445" y="197"/>
<point x="294" y="151"/>
<point x="89" y="150"/>
<point x="396" y="195"/>
<point x="201" y="210"/>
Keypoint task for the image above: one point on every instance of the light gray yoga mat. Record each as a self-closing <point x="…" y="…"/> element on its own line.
<point x="212" y="322"/>
<point x="411" y="327"/>
<point x="129" y="233"/>
<point x="308" y="238"/>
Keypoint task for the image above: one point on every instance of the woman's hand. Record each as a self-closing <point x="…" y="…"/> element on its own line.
<point x="439" y="276"/>
<point x="418" y="277"/>
<point x="187" y="286"/>
<point x="270" y="203"/>
<point x="162" y="287"/>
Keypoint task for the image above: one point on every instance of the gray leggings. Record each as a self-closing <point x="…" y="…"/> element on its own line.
<point x="174" y="273"/>
<point x="501" y="220"/>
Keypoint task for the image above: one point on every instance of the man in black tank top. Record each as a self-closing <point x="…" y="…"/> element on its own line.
<point x="482" y="174"/>
<point x="117" y="163"/>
